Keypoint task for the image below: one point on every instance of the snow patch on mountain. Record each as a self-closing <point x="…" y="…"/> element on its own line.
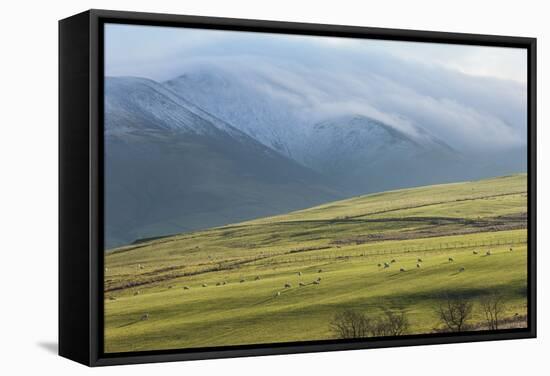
<point x="138" y="103"/>
<point x="301" y="125"/>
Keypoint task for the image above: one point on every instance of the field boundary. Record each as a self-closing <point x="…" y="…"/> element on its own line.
<point x="443" y="247"/>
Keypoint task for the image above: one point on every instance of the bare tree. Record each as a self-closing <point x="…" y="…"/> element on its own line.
<point x="454" y="313"/>
<point x="351" y="324"/>
<point x="392" y="323"/>
<point x="492" y="306"/>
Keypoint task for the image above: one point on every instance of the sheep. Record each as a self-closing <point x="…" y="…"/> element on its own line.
<point x="511" y="249"/>
<point x="488" y="253"/>
<point x="242" y="280"/>
<point x="145" y="317"/>
<point x="379" y="265"/>
<point x="170" y="286"/>
<point x="136" y="293"/>
<point x="392" y="261"/>
<point x="402" y="269"/>
<point x="302" y="284"/>
<point x="320" y="271"/>
<point x="140" y="266"/>
<point x="204" y="285"/>
<point x="224" y="283"/>
<point x="257" y="278"/>
<point x="418" y="265"/>
<point x="386" y="265"/>
<point x="451" y="259"/>
<point x="319" y="279"/>
<point x="474" y="252"/>
<point x="419" y="260"/>
<point x="299" y="274"/>
<point x="278" y="293"/>
<point x="461" y="270"/>
<point x="316" y="282"/>
<point x="218" y="283"/>
<point x="186" y="287"/>
<point x="288" y="285"/>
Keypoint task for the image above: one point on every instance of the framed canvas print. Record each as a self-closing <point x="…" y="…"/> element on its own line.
<point x="237" y="187"/>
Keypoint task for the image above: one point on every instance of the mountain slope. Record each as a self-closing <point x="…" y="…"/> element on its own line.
<point x="308" y="122"/>
<point x="268" y="117"/>
<point x="171" y="167"/>
<point x="357" y="152"/>
<point x="366" y="155"/>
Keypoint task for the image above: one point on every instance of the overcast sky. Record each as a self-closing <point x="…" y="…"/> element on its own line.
<point x="469" y="96"/>
<point x="143" y="50"/>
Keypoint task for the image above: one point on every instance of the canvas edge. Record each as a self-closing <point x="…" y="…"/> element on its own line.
<point x="73" y="252"/>
<point x="94" y="272"/>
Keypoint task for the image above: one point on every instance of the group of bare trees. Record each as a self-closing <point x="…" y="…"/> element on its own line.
<point x="352" y="324"/>
<point x="454" y="312"/>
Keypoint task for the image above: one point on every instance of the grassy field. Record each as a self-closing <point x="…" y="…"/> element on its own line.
<point x="226" y="285"/>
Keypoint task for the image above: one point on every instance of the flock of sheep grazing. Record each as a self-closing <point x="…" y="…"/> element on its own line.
<point x="386" y="265"/>
<point x="317" y="281"/>
<point x="393" y="261"/>
<point x="288" y="285"/>
<point x="242" y="280"/>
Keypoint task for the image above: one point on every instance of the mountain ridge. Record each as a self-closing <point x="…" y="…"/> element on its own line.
<point x="168" y="170"/>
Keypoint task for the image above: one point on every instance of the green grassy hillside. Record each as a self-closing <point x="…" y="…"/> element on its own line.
<point x="244" y="268"/>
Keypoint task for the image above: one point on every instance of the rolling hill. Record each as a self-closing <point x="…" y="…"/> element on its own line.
<point x="226" y="285"/>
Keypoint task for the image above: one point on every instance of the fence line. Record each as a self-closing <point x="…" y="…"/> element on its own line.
<point x="281" y="258"/>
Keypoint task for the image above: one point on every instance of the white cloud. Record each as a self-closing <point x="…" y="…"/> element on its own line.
<point x="472" y="97"/>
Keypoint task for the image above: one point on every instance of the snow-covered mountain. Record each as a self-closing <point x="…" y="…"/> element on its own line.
<point x="138" y="103"/>
<point x="366" y="155"/>
<point x="212" y="147"/>
<point x="171" y="167"/>
<point x="356" y="151"/>
<point x="337" y="143"/>
<point x="241" y="103"/>
<point x="283" y="115"/>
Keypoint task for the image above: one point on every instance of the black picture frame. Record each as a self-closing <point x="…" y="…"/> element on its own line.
<point x="81" y="182"/>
